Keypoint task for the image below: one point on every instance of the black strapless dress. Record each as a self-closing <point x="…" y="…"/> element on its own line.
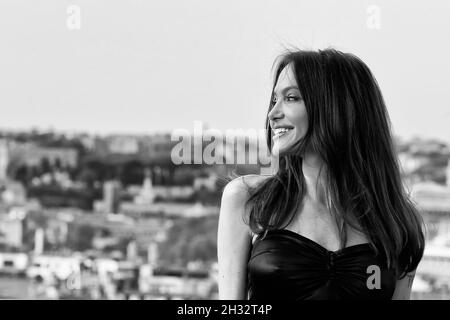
<point x="288" y="266"/>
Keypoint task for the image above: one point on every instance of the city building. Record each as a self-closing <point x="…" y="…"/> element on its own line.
<point x="110" y="202"/>
<point x="433" y="201"/>
<point x="4" y="159"/>
<point x="208" y="182"/>
<point x="146" y="194"/>
<point x="13" y="263"/>
<point x="12" y="228"/>
<point x="176" y="283"/>
<point x="123" y="144"/>
<point x="31" y="154"/>
<point x="48" y="266"/>
<point x="13" y="194"/>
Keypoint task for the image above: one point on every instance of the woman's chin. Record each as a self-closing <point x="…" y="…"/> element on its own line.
<point x="280" y="148"/>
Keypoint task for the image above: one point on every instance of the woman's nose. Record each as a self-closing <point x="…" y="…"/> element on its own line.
<point x="275" y="112"/>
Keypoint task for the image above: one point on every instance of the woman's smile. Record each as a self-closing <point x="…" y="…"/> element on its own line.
<point x="281" y="132"/>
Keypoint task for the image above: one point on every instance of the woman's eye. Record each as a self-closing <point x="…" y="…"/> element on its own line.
<point x="292" y="98"/>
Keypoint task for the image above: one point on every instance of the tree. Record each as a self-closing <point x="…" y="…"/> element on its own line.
<point x="132" y="172"/>
<point x="45" y="165"/>
<point x="22" y="174"/>
<point x="190" y="239"/>
<point x="80" y="236"/>
<point x="88" y="176"/>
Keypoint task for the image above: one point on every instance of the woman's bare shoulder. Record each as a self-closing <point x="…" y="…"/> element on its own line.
<point x="242" y="183"/>
<point x="234" y="237"/>
<point x="255" y="179"/>
<point x="234" y="198"/>
<point x="236" y="192"/>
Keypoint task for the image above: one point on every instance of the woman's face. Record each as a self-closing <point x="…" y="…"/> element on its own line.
<point x="288" y="112"/>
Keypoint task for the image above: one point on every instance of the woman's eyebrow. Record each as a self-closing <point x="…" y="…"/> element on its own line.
<point x="289" y="88"/>
<point x="284" y="90"/>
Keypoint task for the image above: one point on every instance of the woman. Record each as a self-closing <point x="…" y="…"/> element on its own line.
<point x="334" y="222"/>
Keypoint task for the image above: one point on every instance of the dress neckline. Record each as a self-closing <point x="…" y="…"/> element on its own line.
<point x="314" y="243"/>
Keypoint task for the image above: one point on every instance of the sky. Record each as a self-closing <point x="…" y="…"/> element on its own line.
<point x="139" y="66"/>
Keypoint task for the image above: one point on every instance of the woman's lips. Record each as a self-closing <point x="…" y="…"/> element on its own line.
<point x="277" y="136"/>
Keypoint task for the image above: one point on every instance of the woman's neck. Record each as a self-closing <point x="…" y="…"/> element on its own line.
<point x="315" y="184"/>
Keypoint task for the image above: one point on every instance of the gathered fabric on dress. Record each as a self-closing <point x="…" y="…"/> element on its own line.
<point x="288" y="266"/>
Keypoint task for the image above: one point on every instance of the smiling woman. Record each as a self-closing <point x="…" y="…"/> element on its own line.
<point x="289" y="108"/>
<point x="334" y="222"/>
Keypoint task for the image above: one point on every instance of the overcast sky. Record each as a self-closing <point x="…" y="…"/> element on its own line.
<point x="145" y="66"/>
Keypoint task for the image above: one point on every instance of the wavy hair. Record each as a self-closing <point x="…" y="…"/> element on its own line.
<point x="349" y="128"/>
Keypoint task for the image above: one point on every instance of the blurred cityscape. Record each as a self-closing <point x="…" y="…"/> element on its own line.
<point x="112" y="217"/>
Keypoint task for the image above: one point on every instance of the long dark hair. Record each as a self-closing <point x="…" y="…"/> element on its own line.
<point x="349" y="128"/>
